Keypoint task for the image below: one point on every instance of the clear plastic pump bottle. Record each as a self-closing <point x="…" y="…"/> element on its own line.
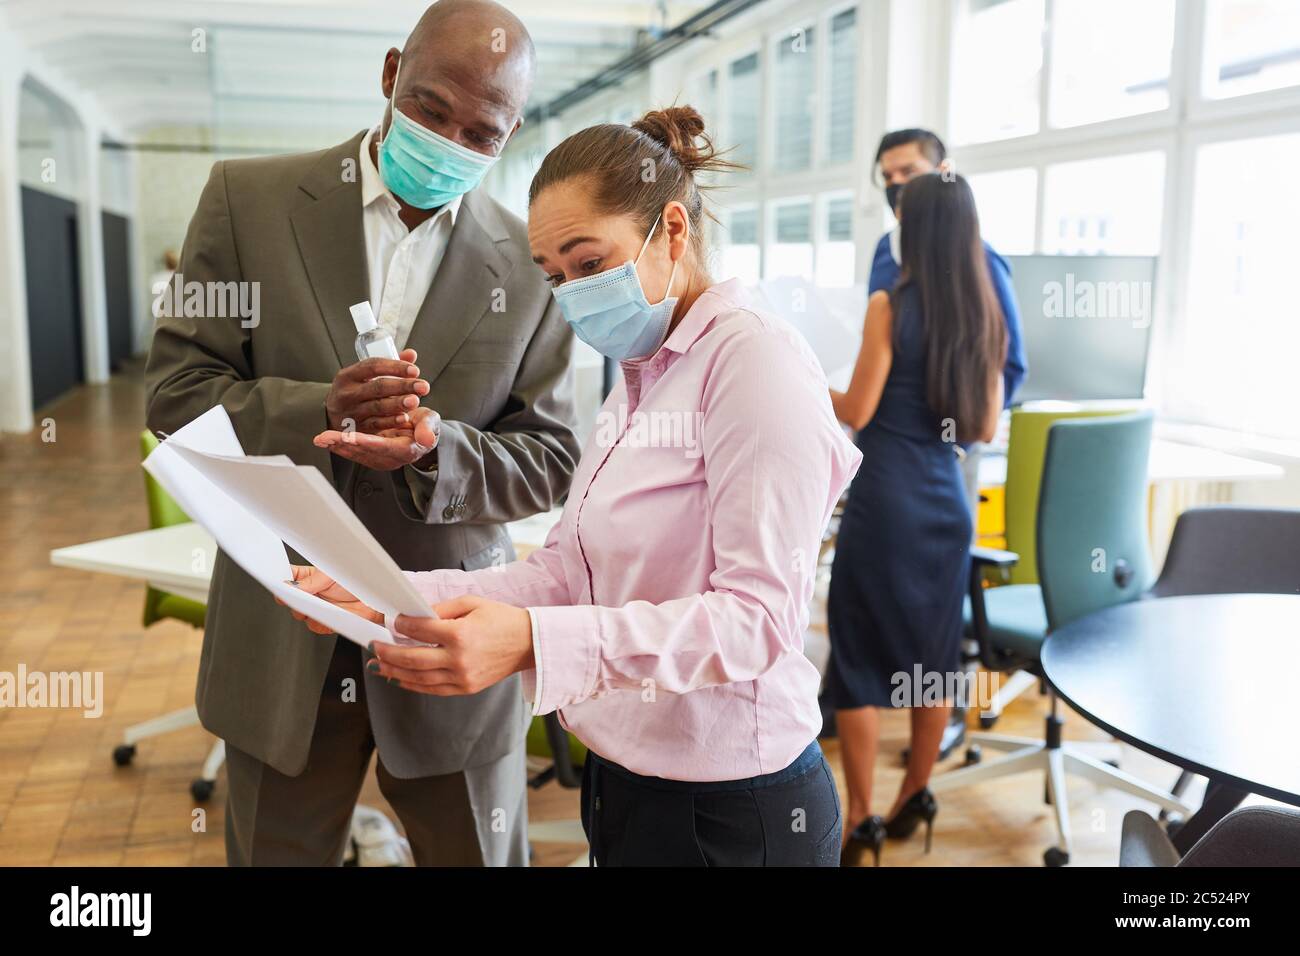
<point x="372" y="340"/>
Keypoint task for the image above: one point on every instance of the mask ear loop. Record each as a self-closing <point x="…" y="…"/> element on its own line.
<point x="392" y="109"/>
<point x="645" y="245"/>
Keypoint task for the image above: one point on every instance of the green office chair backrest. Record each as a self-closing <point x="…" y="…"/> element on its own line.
<point x="163" y="509"/>
<point x="163" y="513"/>
<point x="1026" y="445"/>
<point x="1092" y="515"/>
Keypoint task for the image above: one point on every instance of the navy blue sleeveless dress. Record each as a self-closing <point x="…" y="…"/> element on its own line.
<point x="903" y="550"/>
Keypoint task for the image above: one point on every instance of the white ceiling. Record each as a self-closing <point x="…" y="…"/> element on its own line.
<point x="273" y="64"/>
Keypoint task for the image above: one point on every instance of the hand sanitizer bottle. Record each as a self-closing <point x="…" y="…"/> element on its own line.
<point x="372" y="341"/>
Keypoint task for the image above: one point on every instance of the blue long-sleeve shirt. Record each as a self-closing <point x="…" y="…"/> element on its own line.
<point x="884" y="274"/>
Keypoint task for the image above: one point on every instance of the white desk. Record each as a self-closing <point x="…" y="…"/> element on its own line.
<point x="1170" y="461"/>
<point x="179" y="559"/>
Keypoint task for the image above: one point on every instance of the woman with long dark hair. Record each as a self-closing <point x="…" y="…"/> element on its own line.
<point x="928" y="376"/>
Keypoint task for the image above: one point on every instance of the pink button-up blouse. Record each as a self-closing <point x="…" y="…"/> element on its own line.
<point x="670" y="601"/>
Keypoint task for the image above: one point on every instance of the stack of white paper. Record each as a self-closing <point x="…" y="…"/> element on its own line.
<point x="255" y="506"/>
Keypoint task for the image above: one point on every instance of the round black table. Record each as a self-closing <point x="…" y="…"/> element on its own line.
<point x="1210" y="683"/>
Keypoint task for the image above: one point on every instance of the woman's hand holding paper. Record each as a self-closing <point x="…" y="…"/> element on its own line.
<point x="479" y="643"/>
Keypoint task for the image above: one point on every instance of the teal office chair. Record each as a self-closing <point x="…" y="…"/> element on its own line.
<point x="1092" y="506"/>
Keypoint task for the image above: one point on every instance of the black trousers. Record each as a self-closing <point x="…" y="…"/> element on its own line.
<point x="787" y="818"/>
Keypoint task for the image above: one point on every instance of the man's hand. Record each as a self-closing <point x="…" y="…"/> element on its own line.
<point x="317" y="582"/>
<point x="376" y="395"/>
<point x="480" y="642"/>
<point x="390" y="449"/>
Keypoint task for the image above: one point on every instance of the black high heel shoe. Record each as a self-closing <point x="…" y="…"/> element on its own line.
<point x="919" y="806"/>
<point x="867" y="835"/>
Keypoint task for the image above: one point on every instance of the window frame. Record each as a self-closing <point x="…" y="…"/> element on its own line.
<point x="1190" y="121"/>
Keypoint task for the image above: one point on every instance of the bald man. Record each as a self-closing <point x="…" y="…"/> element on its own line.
<point x="439" y="454"/>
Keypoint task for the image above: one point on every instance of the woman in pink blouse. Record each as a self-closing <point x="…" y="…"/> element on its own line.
<point x="664" y="617"/>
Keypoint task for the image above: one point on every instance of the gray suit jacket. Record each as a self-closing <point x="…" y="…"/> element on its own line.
<point x="496" y="353"/>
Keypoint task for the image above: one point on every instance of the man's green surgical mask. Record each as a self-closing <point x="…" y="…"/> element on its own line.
<point x="423" y="169"/>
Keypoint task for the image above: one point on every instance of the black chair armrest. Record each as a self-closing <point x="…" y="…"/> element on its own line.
<point x="981" y="558"/>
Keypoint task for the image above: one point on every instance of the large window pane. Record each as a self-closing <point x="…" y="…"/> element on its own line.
<point x="843" y="84"/>
<point x="835" y="251"/>
<point x="996" y="65"/>
<point x="791" y="252"/>
<point x="793" y="78"/>
<point x="1104" y="206"/>
<point x="1100" y="72"/>
<point x="1007" y="203"/>
<point x="704" y="97"/>
<point x="1238" y="334"/>
<point x="1251" y="46"/>
<point x="740" y="248"/>
<point x="742" y="109"/>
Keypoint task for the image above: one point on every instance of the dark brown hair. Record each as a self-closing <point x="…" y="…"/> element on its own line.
<point x="930" y="145"/>
<point x="964" y="333"/>
<point x="637" y="170"/>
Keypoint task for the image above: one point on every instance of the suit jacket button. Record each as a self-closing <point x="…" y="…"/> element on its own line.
<point x="365" y="489"/>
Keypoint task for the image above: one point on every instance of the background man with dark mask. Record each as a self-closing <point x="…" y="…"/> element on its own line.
<point x="902" y="155"/>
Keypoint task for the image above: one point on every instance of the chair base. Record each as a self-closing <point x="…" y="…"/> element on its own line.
<point x="201" y="787"/>
<point x="1016" y="684"/>
<point x="1054" y="760"/>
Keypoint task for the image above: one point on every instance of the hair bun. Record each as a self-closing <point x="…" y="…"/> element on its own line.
<point x="681" y="130"/>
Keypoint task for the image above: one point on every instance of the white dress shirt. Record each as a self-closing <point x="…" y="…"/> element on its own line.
<point x="402" y="263"/>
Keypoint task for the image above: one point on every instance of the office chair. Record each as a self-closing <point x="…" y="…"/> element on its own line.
<point x="158" y="605"/>
<point x="1228" y="549"/>
<point x="563" y="756"/>
<point x="1251" y="836"/>
<point x="1092" y="506"/>
<point x="1026" y="450"/>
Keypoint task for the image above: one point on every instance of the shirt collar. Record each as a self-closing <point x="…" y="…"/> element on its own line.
<point x="712" y="302"/>
<point x="374" y="190"/>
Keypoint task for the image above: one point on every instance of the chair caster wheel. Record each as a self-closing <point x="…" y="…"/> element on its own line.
<point x="986" y="723"/>
<point x="1055" y="856"/>
<point x="973" y="755"/>
<point x="123" y="753"/>
<point x="201" y="789"/>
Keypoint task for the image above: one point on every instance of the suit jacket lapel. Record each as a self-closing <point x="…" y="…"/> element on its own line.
<point x="332" y="242"/>
<point x="469" y="281"/>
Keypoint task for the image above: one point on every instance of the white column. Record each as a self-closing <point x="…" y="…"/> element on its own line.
<point x="15" y="356"/>
<point x="90" y="254"/>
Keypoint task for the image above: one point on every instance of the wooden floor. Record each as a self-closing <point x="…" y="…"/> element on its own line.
<point x="62" y="800"/>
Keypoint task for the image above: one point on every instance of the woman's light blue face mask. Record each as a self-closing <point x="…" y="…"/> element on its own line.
<point x="420" y="167"/>
<point x="610" y="313"/>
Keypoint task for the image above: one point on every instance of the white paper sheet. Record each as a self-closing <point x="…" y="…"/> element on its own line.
<point x="255" y="506"/>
